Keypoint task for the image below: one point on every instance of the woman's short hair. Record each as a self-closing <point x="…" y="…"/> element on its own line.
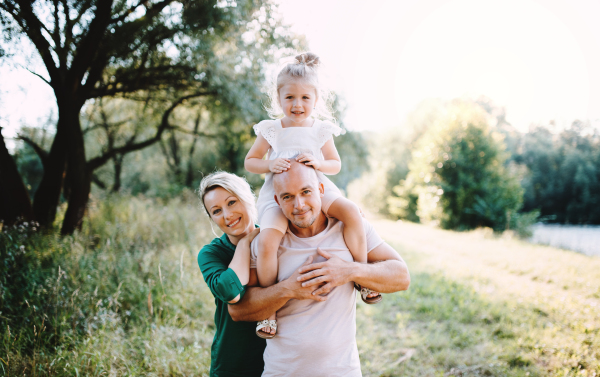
<point x="236" y="186"/>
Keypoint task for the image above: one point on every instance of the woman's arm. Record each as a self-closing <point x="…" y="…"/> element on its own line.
<point x="254" y="162"/>
<point x="330" y="165"/>
<point x="240" y="264"/>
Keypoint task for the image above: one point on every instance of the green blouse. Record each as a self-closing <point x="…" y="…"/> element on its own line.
<point x="236" y="350"/>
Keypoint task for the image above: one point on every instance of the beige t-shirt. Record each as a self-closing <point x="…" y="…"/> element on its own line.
<point x="315" y="338"/>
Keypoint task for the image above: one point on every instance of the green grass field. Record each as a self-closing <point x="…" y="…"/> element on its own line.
<point x="125" y="297"/>
<point x="483" y="306"/>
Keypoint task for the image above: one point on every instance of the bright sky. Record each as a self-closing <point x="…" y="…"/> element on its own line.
<point x="539" y="59"/>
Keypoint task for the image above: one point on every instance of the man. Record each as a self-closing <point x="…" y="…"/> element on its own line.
<point x="316" y="303"/>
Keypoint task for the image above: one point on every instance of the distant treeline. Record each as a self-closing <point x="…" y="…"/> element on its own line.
<point x="461" y="164"/>
<point x="562" y="172"/>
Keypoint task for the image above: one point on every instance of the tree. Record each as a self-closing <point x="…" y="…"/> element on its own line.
<point x="14" y="198"/>
<point x="93" y="49"/>
<point x="563" y="174"/>
<point x="457" y="175"/>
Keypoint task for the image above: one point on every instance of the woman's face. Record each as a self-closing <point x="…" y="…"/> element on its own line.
<point x="229" y="213"/>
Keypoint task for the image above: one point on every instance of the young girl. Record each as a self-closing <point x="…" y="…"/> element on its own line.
<point x="302" y="136"/>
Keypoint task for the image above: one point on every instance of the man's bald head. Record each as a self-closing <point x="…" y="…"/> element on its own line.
<point x="297" y="172"/>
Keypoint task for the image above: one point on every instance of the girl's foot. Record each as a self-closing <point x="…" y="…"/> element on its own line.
<point x="368" y="296"/>
<point x="266" y="329"/>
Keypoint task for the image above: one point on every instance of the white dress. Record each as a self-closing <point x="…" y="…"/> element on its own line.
<point x="288" y="143"/>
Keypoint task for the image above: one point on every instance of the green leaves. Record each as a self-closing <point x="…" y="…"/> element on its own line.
<point x="457" y="177"/>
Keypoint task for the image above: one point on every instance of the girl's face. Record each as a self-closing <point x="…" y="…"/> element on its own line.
<point x="297" y="100"/>
<point x="229" y="213"/>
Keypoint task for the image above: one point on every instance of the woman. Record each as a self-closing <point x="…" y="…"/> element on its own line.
<point x="225" y="265"/>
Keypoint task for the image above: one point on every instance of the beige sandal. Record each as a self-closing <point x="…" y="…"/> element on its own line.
<point x="266" y="323"/>
<point x="365" y="292"/>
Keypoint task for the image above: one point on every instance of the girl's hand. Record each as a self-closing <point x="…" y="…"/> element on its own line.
<point x="279" y="165"/>
<point x="309" y="159"/>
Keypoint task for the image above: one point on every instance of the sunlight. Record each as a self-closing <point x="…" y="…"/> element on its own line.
<point x="388" y="58"/>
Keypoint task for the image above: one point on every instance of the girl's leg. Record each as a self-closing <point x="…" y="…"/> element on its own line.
<point x="266" y="261"/>
<point x="354" y="232"/>
<point x="269" y="239"/>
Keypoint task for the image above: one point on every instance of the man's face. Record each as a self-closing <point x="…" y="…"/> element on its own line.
<point x="299" y="193"/>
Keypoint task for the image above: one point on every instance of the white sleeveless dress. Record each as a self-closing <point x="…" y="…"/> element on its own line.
<point x="288" y="143"/>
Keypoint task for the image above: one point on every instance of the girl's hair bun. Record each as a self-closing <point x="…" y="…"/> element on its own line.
<point x="308" y="58"/>
<point x="303" y="67"/>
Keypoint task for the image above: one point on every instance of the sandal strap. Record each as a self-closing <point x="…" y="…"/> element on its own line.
<point x="365" y="292"/>
<point x="266" y="323"/>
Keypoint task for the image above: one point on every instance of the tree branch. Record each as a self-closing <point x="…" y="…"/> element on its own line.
<point x="33" y="27"/>
<point x="154" y="77"/>
<point x="98" y="181"/>
<point x="195" y="133"/>
<point x="96" y="162"/>
<point x="87" y="50"/>
<point x="36" y="74"/>
<point x="128" y="12"/>
<point x="42" y="154"/>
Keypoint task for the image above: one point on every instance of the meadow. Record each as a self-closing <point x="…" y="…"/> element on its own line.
<point x="124" y="297"/>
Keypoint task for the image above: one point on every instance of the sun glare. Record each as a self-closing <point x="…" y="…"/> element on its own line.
<point x="388" y="56"/>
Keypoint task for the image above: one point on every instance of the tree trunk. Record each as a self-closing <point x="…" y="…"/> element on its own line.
<point x="47" y="195"/>
<point x="189" y="178"/>
<point x="14" y="198"/>
<point x="118" y="166"/>
<point x="174" y="145"/>
<point x="80" y="179"/>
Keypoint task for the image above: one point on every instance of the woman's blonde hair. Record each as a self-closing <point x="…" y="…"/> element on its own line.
<point x="236" y="186"/>
<point x="303" y="67"/>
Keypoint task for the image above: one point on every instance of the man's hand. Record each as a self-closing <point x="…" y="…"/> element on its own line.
<point x="329" y="274"/>
<point x="298" y="290"/>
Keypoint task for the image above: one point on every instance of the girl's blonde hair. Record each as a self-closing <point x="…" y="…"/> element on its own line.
<point x="236" y="186"/>
<point x="303" y="67"/>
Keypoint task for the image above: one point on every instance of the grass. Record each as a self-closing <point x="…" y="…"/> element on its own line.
<point x="483" y="306"/>
<point x="125" y="297"/>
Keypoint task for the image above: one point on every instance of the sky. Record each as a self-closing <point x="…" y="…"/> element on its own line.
<point x="538" y="59"/>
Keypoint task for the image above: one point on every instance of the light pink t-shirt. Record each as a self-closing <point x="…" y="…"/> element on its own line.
<point x="315" y="338"/>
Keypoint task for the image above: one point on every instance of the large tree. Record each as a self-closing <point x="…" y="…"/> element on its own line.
<point x="104" y="48"/>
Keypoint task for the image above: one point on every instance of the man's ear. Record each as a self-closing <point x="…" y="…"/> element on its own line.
<point x="321" y="189"/>
<point x="276" y="199"/>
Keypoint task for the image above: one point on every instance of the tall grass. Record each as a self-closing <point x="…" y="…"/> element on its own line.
<point x="125" y="297"/>
<point x="122" y="297"/>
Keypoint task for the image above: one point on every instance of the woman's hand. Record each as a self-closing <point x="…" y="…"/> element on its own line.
<point x="248" y="238"/>
<point x="279" y="165"/>
<point x="309" y="159"/>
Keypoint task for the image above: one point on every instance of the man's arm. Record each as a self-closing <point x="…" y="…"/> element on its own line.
<point x="259" y="303"/>
<point x="386" y="272"/>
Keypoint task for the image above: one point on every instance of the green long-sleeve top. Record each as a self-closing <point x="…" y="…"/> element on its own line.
<point x="236" y="350"/>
